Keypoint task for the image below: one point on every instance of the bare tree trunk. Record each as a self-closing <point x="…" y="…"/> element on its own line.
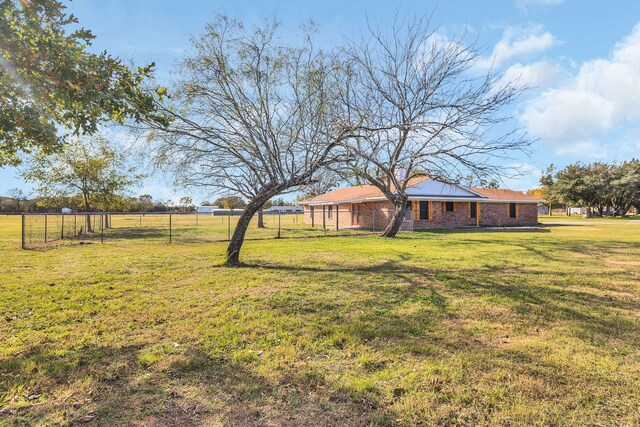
<point x="89" y="225"/>
<point x="87" y="208"/>
<point x="107" y="220"/>
<point x="400" y="208"/>
<point x="237" y="238"/>
<point x="260" y="219"/>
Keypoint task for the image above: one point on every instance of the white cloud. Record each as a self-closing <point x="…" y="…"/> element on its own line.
<point x="515" y="42"/>
<point x="538" y="74"/>
<point x="603" y="96"/>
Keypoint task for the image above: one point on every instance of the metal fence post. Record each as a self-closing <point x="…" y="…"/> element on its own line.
<point x="140" y="219"/>
<point x="75" y="225"/>
<point x="279" y="224"/>
<point x="102" y="228"/>
<point x="62" y="229"/>
<point x="196" y="217"/>
<point x="46" y="216"/>
<point x="170" y="230"/>
<point x="228" y="226"/>
<point x="324" y="220"/>
<point x="23" y="242"/>
<point x="373" y="221"/>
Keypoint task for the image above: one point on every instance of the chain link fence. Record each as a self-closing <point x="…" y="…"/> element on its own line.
<point x="46" y="230"/>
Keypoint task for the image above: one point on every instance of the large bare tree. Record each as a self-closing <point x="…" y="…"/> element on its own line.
<point x="424" y="110"/>
<point x="250" y="115"/>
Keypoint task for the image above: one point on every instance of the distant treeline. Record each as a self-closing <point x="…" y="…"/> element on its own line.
<point x="143" y="203"/>
<point x="118" y="203"/>
<point x="601" y="188"/>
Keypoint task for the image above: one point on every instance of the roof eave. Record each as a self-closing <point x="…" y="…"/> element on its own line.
<point x="425" y="198"/>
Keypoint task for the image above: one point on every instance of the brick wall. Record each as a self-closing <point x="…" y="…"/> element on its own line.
<point x="439" y="218"/>
<point x="497" y="214"/>
<point x="376" y="215"/>
<point x="372" y="214"/>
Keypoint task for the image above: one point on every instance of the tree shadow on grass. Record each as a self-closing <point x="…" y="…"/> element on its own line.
<point x="595" y="315"/>
<point x="110" y="387"/>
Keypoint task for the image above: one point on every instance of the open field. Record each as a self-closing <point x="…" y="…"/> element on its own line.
<point x="46" y="230"/>
<point x="457" y="327"/>
<point x="579" y="218"/>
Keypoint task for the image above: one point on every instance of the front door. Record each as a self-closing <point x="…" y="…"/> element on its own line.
<point x="355" y="213"/>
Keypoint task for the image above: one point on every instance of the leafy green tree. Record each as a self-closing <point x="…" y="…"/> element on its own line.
<point x="584" y="185"/>
<point x="19" y="196"/>
<point x="49" y="80"/>
<point x="89" y="167"/>
<point x="186" y="202"/>
<point x="144" y="203"/>
<point x="547" y="190"/>
<point x="625" y="186"/>
<point x="230" y="202"/>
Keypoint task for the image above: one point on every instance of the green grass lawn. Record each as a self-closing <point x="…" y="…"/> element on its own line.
<point x="41" y="232"/>
<point x="431" y="328"/>
<point x="574" y="218"/>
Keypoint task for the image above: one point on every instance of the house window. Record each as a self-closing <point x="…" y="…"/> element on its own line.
<point x="473" y="210"/>
<point x="424" y="210"/>
<point x="330" y="212"/>
<point x="448" y="206"/>
<point x="513" y="211"/>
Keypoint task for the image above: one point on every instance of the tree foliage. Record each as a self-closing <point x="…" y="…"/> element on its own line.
<point x="89" y="168"/>
<point x="230" y="202"/>
<point x="49" y="80"/>
<point x="600" y="187"/>
<point x="19" y="196"/>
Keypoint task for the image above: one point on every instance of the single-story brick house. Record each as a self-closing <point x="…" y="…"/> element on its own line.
<point x="432" y="204"/>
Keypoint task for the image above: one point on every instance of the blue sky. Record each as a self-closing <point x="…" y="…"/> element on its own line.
<point x="582" y="57"/>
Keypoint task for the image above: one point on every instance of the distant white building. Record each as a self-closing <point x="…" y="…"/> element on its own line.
<point x="577" y="210"/>
<point x="207" y="209"/>
<point x="66" y="210"/>
<point x="283" y="209"/>
<point x="216" y="211"/>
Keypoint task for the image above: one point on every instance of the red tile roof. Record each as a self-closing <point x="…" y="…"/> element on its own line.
<point x="504" y="194"/>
